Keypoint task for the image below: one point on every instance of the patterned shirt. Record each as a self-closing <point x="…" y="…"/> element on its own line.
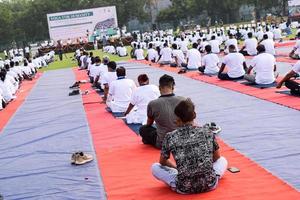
<point x="192" y="148"/>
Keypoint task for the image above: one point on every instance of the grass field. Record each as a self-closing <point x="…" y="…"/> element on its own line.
<point x="69" y="61"/>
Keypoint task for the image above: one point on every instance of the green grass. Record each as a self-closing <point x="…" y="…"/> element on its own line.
<point x="69" y="61"/>
<point x="2" y="55"/>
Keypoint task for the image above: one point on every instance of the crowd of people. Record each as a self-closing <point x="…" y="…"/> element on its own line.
<point x="16" y="67"/>
<point x="167" y="120"/>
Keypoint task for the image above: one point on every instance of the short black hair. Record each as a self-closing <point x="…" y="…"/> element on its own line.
<point x="165" y="44"/>
<point x="213" y="37"/>
<point x="112" y="65"/>
<point x="185" y="110"/>
<point x="232" y="47"/>
<point x="250" y="35"/>
<point x="97" y="59"/>
<point x="195" y="45"/>
<point x="266" y="36"/>
<point x="174" y="46"/>
<point x="142" y="78"/>
<point x="166" y="81"/>
<point x="121" y="71"/>
<point x="150" y="45"/>
<point x="208" y="48"/>
<point x="261" y="48"/>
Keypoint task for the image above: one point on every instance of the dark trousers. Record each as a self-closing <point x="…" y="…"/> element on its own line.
<point x="293" y="86"/>
<point x="201" y="69"/>
<point x="148" y="134"/>
<point x="224" y="76"/>
<point x="245" y="53"/>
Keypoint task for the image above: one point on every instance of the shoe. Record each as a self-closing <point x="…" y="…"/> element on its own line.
<point x="85" y="92"/>
<point x="76" y="84"/>
<point x="213" y="127"/>
<point x="80" y="158"/>
<point x="74" y="92"/>
<point x="182" y="71"/>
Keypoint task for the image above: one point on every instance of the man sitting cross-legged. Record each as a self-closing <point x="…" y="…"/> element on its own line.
<point x="137" y="110"/>
<point x="109" y="77"/>
<point x="161" y="111"/>
<point x="193" y="59"/>
<point x="291" y="84"/>
<point x="199" y="165"/>
<point x="120" y="92"/>
<point x="209" y="62"/>
<point x="249" y="49"/>
<point x="236" y="64"/>
<point x="264" y="65"/>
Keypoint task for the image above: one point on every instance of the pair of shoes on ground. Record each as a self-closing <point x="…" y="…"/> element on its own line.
<point x="213" y="127"/>
<point x="77" y="92"/>
<point x="182" y="71"/>
<point x="80" y="158"/>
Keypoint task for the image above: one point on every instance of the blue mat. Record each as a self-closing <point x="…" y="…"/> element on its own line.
<point x="37" y="144"/>
<point x="265" y="132"/>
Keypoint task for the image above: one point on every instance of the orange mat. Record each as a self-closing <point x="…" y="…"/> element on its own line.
<point x="268" y="94"/>
<point x="125" y="163"/>
<point x="13" y="106"/>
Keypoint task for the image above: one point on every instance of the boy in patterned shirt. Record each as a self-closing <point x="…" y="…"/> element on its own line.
<point x="199" y="165"/>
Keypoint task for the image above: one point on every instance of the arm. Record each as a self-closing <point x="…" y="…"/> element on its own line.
<point x="167" y="162"/>
<point x="222" y="68"/>
<point x="130" y="107"/>
<point x="150" y="121"/>
<point x="96" y="80"/>
<point x="106" y="89"/>
<point x="275" y="68"/>
<point x="245" y="66"/>
<point x="286" y="78"/>
<point x="249" y="70"/>
<point x="216" y="155"/>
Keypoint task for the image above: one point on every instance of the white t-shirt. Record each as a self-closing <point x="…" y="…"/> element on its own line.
<point x="176" y="53"/>
<point x="250" y="46"/>
<point x="166" y="54"/>
<point x="277" y="34"/>
<point x="296" y="67"/>
<point x="103" y="70"/>
<point x="215" y="46"/>
<point x="194" y="59"/>
<point x="122" y="51"/>
<point x="269" y="46"/>
<point x="234" y="62"/>
<point x="232" y="41"/>
<point x="184" y="45"/>
<point x="152" y="54"/>
<point x="211" y="61"/>
<point x="139" y="54"/>
<point x="94" y="70"/>
<point x="263" y="65"/>
<point x="108" y="78"/>
<point x="120" y="92"/>
<point x="270" y="35"/>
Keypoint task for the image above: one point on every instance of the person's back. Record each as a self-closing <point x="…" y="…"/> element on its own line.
<point x="232" y="41"/>
<point x="263" y="65"/>
<point x="152" y="55"/>
<point x="122" y="51"/>
<point x="234" y="61"/>
<point x="215" y="45"/>
<point x="162" y="110"/>
<point x="166" y="54"/>
<point x="211" y="61"/>
<point x="194" y="59"/>
<point x="250" y="46"/>
<point x="178" y="54"/>
<point x="269" y="45"/>
<point x="139" y="53"/>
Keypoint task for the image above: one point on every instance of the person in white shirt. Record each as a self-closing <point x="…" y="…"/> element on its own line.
<point x="165" y="56"/>
<point x="215" y="45"/>
<point x="202" y="45"/>
<point x="6" y="86"/>
<point x="139" y="53"/>
<point x="294" y="86"/>
<point x="277" y="33"/>
<point x="269" y="45"/>
<point x="269" y="33"/>
<point x="193" y="59"/>
<point x="184" y="45"/>
<point x="108" y="78"/>
<point x="264" y="66"/>
<point x="231" y="41"/>
<point x="235" y="63"/>
<point x="94" y="70"/>
<point x="178" y="56"/>
<point x="152" y="54"/>
<point x="209" y="62"/>
<point x="295" y="53"/>
<point x="122" y="51"/>
<point x="136" y="112"/>
<point x="120" y="92"/>
<point x="249" y="49"/>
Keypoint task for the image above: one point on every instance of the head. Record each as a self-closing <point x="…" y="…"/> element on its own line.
<point x="174" y="46"/>
<point x="97" y="60"/>
<point x="195" y="45"/>
<point x="261" y="49"/>
<point x="265" y="36"/>
<point x="213" y="37"/>
<point x="105" y="60"/>
<point x="185" y="112"/>
<point x="150" y="46"/>
<point x="231" y="48"/>
<point x="121" y="71"/>
<point x="166" y="84"/>
<point x="165" y="45"/>
<point x="143" y="79"/>
<point x="208" y="49"/>
<point x="298" y="35"/>
<point x="112" y="66"/>
<point x="250" y="35"/>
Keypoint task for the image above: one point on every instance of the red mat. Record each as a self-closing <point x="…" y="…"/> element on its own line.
<point x="285" y="44"/>
<point x="13" y="106"/>
<point x="268" y="94"/>
<point x="125" y="163"/>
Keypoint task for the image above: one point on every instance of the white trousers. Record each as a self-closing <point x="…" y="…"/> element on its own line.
<point x="168" y="175"/>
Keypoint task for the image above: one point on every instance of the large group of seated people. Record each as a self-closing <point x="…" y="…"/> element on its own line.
<point x="16" y="68"/>
<point x="217" y="53"/>
<point x="166" y="123"/>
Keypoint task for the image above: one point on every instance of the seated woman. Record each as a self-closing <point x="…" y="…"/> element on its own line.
<point x="199" y="165"/>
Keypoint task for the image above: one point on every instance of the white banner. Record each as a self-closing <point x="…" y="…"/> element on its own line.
<point x="294" y="2"/>
<point x="81" y="23"/>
